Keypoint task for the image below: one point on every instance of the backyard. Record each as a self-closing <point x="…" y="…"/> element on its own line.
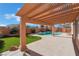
<point x="15" y="41"/>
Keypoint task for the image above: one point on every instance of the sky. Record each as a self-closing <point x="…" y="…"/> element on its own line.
<point x="8" y="12"/>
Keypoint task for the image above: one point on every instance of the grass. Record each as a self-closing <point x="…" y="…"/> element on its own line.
<point x="12" y="41"/>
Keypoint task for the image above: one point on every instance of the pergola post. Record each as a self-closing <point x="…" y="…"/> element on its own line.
<point x="71" y="28"/>
<point x="22" y="34"/>
<point x="75" y="37"/>
<point x="75" y="29"/>
<point x="53" y="29"/>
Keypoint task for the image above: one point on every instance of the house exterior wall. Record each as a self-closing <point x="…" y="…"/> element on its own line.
<point x="66" y="30"/>
<point x="37" y="30"/>
<point x="4" y="31"/>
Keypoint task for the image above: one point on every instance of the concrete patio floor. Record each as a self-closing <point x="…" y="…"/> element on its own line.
<point x="53" y="46"/>
<point x="48" y="46"/>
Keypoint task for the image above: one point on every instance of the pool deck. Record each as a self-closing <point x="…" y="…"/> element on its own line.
<point x="49" y="46"/>
<point x="53" y="46"/>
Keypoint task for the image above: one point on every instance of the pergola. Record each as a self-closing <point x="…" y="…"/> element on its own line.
<point x="48" y="14"/>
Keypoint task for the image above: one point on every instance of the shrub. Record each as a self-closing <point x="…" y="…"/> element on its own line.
<point x="10" y="35"/>
<point x="13" y="48"/>
<point x="1" y="44"/>
<point x="14" y="30"/>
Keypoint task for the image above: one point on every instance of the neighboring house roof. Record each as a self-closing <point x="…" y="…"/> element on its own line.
<point x="1" y="27"/>
<point x="58" y="25"/>
<point x="4" y="30"/>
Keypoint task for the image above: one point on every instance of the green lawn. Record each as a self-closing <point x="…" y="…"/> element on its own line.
<point x="12" y="41"/>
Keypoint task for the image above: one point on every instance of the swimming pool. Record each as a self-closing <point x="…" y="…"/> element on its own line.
<point x="49" y="33"/>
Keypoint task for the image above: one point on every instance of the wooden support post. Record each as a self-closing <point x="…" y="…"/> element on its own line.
<point x="53" y="29"/>
<point x="23" y="35"/>
<point x="75" y="29"/>
<point x="71" y="28"/>
<point x="75" y="37"/>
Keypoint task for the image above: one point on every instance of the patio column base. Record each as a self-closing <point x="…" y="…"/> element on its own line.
<point x="23" y="48"/>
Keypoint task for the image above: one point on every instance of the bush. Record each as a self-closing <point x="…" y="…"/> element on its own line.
<point x="1" y="44"/>
<point x="14" y="30"/>
<point x="13" y="48"/>
<point x="10" y="35"/>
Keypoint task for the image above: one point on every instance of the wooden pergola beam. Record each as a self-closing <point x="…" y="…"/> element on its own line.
<point x="56" y="17"/>
<point x="33" y="9"/>
<point x="56" y="10"/>
<point x="27" y="8"/>
<point x="59" y="13"/>
<point x="56" y="14"/>
<point x="52" y="21"/>
<point x="44" y="9"/>
<point x="65" y="17"/>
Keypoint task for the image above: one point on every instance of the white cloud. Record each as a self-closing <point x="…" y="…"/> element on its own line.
<point x="11" y="16"/>
<point x="18" y="18"/>
<point x="18" y="9"/>
<point x="3" y="25"/>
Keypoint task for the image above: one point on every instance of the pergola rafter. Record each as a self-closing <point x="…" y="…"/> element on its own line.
<point x="60" y="13"/>
<point x="46" y="8"/>
<point x="52" y="10"/>
<point x="27" y="8"/>
<point x="60" y="16"/>
<point x="49" y="21"/>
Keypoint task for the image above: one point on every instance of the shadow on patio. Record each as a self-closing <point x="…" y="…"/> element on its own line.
<point x="31" y="53"/>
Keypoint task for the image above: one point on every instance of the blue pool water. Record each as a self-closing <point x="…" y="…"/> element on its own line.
<point x="49" y="32"/>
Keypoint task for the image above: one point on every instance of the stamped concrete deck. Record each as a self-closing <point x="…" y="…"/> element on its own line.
<point x="53" y="46"/>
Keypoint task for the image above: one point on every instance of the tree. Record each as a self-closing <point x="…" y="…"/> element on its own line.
<point x="14" y="30"/>
<point x="1" y="45"/>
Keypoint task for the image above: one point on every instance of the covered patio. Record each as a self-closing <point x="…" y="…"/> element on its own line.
<point x="49" y="14"/>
